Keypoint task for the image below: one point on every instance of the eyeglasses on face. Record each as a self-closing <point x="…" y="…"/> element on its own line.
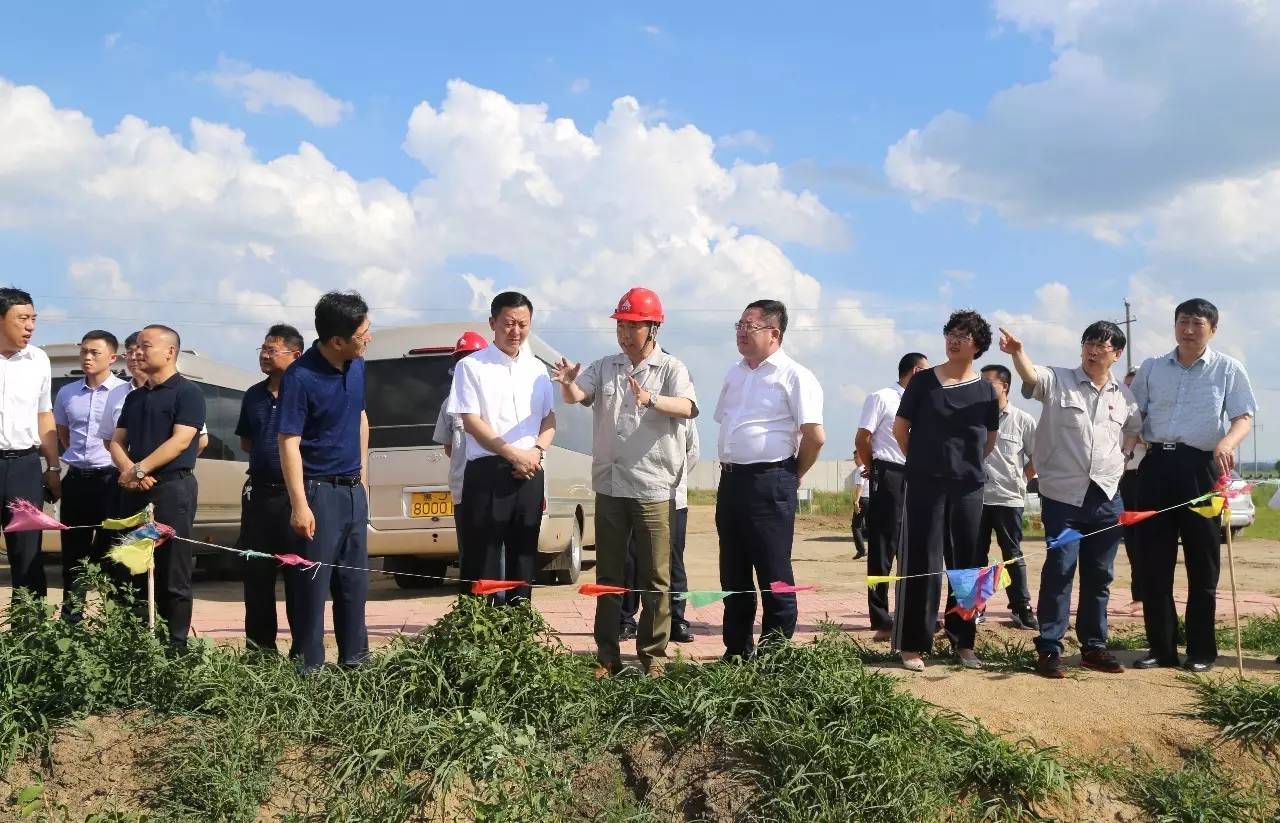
<point x="274" y="352"/>
<point x="1099" y="347"/>
<point x="958" y="337"/>
<point x="750" y="329"/>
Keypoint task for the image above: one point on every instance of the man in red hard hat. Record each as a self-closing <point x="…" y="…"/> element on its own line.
<point x="450" y="433"/>
<point x="640" y="399"/>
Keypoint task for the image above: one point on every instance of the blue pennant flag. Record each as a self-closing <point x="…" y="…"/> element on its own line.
<point x="1067" y="536"/>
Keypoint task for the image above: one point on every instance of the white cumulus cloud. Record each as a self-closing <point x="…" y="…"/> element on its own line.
<point x="261" y="89"/>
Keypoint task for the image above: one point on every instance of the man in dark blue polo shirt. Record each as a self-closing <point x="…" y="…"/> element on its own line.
<point x="324" y="443"/>
<point x="154" y="446"/>
<point x="264" y="503"/>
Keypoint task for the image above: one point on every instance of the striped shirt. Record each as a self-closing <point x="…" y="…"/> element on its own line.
<point x="1192" y="404"/>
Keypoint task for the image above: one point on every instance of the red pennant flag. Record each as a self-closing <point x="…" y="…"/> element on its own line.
<point x="495" y="586"/>
<point x="1129" y="518"/>
<point x="778" y="587"/>
<point x="597" y="589"/>
<point x="295" y="560"/>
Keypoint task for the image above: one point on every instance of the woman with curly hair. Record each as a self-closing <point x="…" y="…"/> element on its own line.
<point x="947" y="424"/>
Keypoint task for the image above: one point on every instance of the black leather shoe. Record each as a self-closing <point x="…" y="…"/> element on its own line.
<point x="680" y="633"/>
<point x="626" y="633"/>
<point x="1196" y="667"/>
<point x="1155" y="663"/>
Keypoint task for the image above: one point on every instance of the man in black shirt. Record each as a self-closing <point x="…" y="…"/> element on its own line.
<point x="154" y="446"/>
<point x="264" y="503"/>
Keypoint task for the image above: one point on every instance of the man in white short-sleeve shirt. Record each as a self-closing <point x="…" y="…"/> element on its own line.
<point x="884" y="467"/>
<point x="770" y="416"/>
<point x="503" y="394"/>
<point x="27" y="429"/>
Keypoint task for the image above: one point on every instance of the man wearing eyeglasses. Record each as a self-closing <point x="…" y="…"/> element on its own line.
<point x="770" y="416"/>
<point x="264" y="502"/>
<point x="324" y="451"/>
<point x="1188" y="397"/>
<point x="1088" y="425"/>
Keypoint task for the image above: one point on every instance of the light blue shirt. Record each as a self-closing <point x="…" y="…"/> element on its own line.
<point x="81" y="410"/>
<point x="1192" y="404"/>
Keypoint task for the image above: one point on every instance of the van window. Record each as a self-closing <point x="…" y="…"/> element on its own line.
<point x="403" y="399"/>
<point x="222" y="411"/>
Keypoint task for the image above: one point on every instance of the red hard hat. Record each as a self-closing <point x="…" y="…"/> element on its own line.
<point x="469" y="342"/>
<point x="639" y="304"/>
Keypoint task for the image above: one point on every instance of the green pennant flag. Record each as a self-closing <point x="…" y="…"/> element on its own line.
<point x="700" y="599"/>
<point x="1201" y="498"/>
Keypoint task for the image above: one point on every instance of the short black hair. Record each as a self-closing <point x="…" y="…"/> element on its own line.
<point x="774" y="310"/>
<point x="291" y="336"/>
<point x="509" y="300"/>
<point x="970" y="322"/>
<point x="339" y="314"/>
<point x="131" y="340"/>
<point x="105" y="336"/>
<point x="1006" y="376"/>
<point x="177" y="338"/>
<point x="11" y="296"/>
<point x="1104" y="331"/>
<point x="908" y="362"/>
<point x="1195" y="307"/>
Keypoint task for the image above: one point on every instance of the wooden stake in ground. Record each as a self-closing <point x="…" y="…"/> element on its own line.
<point x="1231" y="571"/>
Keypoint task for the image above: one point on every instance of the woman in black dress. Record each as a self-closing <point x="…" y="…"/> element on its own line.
<point x="946" y="425"/>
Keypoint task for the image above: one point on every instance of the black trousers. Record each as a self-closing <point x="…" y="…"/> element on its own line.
<point x="755" y="521"/>
<point x="264" y="527"/>
<point x="679" y="580"/>
<point x="940" y="532"/>
<point x="1132" y="497"/>
<point x="1165" y="478"/>
<point x="1005" y="522"/>
<point x="341" y="538"/>
<point x="87" y="498"/>
<point x="501" y="520"/>
<point x="174" y="498"/>
<point x="20" y="480"/>
<point x="884" y="528"/>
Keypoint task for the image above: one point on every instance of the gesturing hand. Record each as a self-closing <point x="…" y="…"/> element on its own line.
<point x="1008" y="343"/>
<point x="565" y="372"/>
<point x="642" y="394"/>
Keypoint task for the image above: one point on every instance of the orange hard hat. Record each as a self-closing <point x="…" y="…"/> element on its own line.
<point x="639" y="304"/>
<point x="469" y="342"/>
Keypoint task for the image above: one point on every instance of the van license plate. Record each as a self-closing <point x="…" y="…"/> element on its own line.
<point x="431" y="504"/>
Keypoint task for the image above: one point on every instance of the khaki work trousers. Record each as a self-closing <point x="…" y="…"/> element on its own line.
<point x="616" y="518"/>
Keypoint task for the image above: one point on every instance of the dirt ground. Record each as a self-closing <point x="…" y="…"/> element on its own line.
<point x="1132" y="716"/>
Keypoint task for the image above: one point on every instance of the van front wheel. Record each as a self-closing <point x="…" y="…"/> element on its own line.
<point x="572" y="570"/>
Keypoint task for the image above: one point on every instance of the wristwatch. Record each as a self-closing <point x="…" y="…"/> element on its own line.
<point x="653" y="401"/>
<point x="542" y="453"/>
<point x="138" y="471"/>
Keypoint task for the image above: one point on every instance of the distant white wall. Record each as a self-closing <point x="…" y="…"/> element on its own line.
<point x="826" y="476"/>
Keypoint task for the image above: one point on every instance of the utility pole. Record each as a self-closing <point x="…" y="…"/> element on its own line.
<point x="1128" y="334"/>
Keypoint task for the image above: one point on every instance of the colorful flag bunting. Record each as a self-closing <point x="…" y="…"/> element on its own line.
<point x="597" y="589"/>
<point x="25" y="516"/>
<point x="157" y="532"/>
<point x="706" y="598"/>
<point x="495" y="586"/>
<point x="295" y="560"/>
<point x="1065" y="537"/>
<point x="1202" y="498"/>
<point x="122" y="523"/>
<point x="972" y="588"/>
<point x="1129" y="518"/>
<point x="1212" y="510"/>
<point x="877" y="579"/>
<point x="778" y="587"/>
<point x="136" y="555"/>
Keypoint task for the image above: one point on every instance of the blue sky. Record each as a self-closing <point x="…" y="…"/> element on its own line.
<point x="1063" y="187"/>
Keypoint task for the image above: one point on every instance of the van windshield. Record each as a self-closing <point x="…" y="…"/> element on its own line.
<point x="404" y="397"/>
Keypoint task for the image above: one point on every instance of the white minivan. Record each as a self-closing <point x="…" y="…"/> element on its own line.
<point x="408" y="373"/>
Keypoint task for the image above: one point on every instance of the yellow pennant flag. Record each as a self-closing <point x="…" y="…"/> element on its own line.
<point x="877" y="579"/>
<point x="1212" y="510"/>
<point x="122" y="523"/>
<point x="137" y="557"/>
<point x="1005" y="581"/>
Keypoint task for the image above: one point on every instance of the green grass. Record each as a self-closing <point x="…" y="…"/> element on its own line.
<point x="1199" y="792"/>
<point x="1266" y="524"/>
<point x="1247" y="711"/>
<point x="486" y="716"/>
